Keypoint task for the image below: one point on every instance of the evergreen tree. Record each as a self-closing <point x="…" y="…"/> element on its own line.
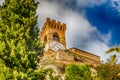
<point x="76" y="72"/>
<point x="19" y="43"/>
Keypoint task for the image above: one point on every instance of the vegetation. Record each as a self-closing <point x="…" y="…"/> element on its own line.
<point x="113" y="58"/>
<point x="19" y="45"/>
<point x="108" y="72"/>
<point x="76" y="72"/>
<point x="117" y="49"/>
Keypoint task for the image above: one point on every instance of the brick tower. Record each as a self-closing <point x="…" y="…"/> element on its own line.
<point x="53" y="35"/>
<point x="56" y="56"/>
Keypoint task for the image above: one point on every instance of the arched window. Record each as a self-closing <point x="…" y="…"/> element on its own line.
<point x="56" y="37"/>
<point x="45" y="39"/>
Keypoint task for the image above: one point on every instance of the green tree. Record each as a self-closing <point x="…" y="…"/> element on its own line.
<point x="108" y="72"/>
<point x="19" y="45"/>
<point x="117" y="49"/>
<point x="76" y="72"/>
<point x="113" y="58"/>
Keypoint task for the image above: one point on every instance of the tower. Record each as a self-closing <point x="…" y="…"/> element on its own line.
<point x="53" y="35"/>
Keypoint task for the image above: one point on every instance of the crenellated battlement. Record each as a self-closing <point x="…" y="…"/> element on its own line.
<point x="51" y="23"/>
<point x="51" y="26"/>
<point x="55" y="24"/>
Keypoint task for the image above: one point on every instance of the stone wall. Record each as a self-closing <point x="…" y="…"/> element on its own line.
<point x="50" y="27"/>
<point x="90" y="56"/>
<point x="62" y="55"/>
<point x="68" y="56"/>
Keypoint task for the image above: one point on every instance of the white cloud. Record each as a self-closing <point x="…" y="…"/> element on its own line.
<point x="90" y="3"/>
<point x="99" y="48"/>
<point x="79" y="32"/>
<point x="115" y="5"/>
<point x="1" y="1"/>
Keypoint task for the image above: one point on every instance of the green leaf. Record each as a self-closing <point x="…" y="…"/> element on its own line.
<point x="18" y="40"/>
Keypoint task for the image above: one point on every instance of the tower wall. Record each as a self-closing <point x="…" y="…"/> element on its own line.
<point x="50" y="27"/>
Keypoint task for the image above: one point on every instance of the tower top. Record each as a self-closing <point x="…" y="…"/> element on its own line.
<point x="51" y="23"/>
<point x="48" y="20"/>
<point x="53" y="31"/>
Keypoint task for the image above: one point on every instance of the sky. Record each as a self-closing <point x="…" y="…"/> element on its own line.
<point x="92" y="25"/>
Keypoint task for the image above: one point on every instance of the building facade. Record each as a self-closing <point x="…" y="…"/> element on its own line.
<point x="53" y="38"/>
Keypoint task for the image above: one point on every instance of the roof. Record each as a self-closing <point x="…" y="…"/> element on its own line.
<point x="84" y="51"/>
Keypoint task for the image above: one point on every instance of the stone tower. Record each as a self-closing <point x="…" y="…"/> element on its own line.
<point x="53" y="35"/>
<point x="56" y="56"/>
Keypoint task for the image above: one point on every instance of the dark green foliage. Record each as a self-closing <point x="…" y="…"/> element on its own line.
<point x="19" y="45"/>
<point x="76" y="72"/>
<point x="108" y="72"/>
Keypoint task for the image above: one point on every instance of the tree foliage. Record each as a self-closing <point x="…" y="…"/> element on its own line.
<point x="19" y="45"/>
<point x="113" y="58"/>
<point x="108" y="72"/>
<point x="76" y="72"/>
<point x="117" y="49"/>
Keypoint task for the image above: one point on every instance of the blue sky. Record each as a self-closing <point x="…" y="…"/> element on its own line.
<point x="92" y="25"/>
<point x="106" y="18"/>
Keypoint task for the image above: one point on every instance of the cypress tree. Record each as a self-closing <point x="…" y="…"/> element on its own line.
<point x="19" y="43"/>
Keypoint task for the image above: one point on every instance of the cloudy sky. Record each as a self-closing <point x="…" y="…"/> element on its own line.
<point x="92" y="25"/>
